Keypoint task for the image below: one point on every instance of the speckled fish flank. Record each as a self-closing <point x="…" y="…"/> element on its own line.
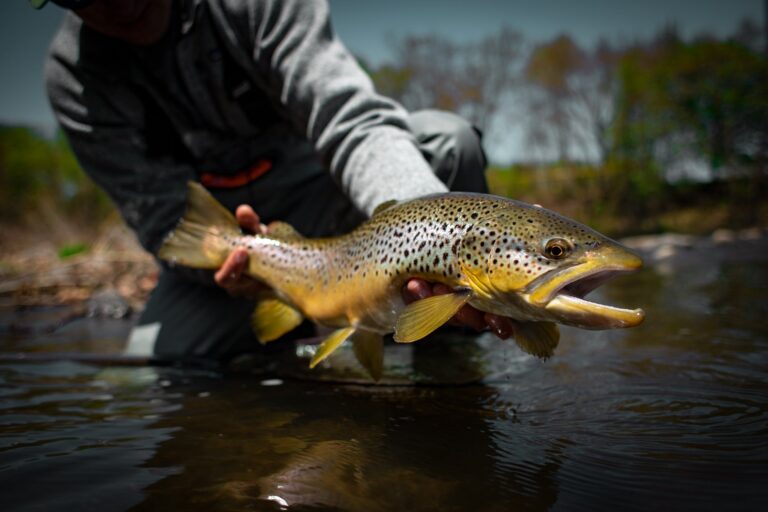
<point x="499" y="255"/>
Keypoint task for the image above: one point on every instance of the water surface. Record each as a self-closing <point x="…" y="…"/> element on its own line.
<point x="672" y="415"/>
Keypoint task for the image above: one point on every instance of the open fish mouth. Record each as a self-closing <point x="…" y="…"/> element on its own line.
<point x="568" y="303"/>
<point x="562" y="293"/>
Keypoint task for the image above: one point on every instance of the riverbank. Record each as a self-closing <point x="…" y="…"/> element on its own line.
<point x="39" y="272"/>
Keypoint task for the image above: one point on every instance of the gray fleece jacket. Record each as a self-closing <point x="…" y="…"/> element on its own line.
<point x="232" y="82"/>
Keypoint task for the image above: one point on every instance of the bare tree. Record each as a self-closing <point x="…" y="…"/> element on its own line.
<point x="570" y="98"/>
<point x="472" y="78"/>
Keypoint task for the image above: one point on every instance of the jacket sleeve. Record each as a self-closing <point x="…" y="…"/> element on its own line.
<point x="298" y="60"/>
<point x="105" y="124"/>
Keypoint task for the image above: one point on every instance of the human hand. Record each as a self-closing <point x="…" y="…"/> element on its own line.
<point x="503" y="327"/>
<point x="231" y="276"/>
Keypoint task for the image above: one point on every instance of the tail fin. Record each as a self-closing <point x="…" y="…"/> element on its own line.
<point x="203" y="238"/>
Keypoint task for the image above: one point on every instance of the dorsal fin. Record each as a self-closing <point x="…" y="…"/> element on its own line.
<point x="383" y="206"/>
<point x="282" y="231"/>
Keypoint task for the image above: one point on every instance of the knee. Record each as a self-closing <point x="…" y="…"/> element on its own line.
<point x="452" y="131"/>
<point x="453" y="147"/>
<point x="465" y="137"/>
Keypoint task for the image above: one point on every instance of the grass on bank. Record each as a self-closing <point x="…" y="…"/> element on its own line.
<point x="624" y="200"/>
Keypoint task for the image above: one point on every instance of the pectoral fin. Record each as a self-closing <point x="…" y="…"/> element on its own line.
<point x="423" y="316"/>
<point x="330" y="344"/>
<point x="538" y="338"/>
<point x="369" y="350"/>
<point x="272" y="318"/>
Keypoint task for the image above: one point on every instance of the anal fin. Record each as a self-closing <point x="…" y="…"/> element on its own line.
<point x="272" y="318"/>
<point x="537" y="338"/>
<point x="369" y="351"/>
<point x="423" y="316"/>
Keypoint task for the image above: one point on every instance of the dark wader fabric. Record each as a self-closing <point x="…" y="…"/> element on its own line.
<point x="189" y="321"/>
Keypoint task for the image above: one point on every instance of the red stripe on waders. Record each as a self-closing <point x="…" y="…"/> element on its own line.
<point x="211" y="180"/>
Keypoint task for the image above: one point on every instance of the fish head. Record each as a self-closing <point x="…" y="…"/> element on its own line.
<point x="530" y="263"/>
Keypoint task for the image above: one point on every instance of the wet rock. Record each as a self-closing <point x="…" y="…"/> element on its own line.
<point x="661" y="247"/>
<point x="723" y="236"/>
<point x="108" y="304"/>
<point x="751" y="234"/>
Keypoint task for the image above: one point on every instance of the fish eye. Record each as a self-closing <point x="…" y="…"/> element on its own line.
<point x="557" y="248"/>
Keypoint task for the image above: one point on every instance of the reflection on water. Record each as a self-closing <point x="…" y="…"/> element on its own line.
<point x="673" y="414"/>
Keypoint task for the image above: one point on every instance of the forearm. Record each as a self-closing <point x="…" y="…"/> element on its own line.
<point x="384" y="167"/>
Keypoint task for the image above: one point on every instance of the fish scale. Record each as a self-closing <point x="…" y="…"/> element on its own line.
<point x="495" y="253"/>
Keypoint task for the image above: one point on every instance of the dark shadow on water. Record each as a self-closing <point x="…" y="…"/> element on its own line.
<point x="345" y="448"/>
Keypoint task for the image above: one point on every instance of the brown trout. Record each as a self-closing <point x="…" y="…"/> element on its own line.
<point x="499" y="255"/>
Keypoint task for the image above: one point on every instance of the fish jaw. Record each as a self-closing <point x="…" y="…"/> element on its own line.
<point x="591" y="315"/>
<point x="560" y="293"/>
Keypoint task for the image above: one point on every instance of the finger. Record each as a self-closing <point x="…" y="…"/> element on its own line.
<point x="471" y="317"/>
<point x="416" y="289"/>
<point x="501" y="326"/>
<point x="441" y="289"/>
<point x="232" y="268"/>
<point x="249" y="220"/>
<point x="245" y="287"/>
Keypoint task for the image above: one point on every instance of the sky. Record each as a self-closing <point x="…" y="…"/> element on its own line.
<point x="367" y="27"/>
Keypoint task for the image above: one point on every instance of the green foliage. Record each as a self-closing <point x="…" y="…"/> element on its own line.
<point x="707" y="97"/>
<point x="40" y="176"/>
<point x="620" y="198"/>
<point x="25" y="163"/>
<point x="68" y="251"/>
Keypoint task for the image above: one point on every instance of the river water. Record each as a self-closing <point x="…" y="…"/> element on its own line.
<point x="672" y="415"/>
